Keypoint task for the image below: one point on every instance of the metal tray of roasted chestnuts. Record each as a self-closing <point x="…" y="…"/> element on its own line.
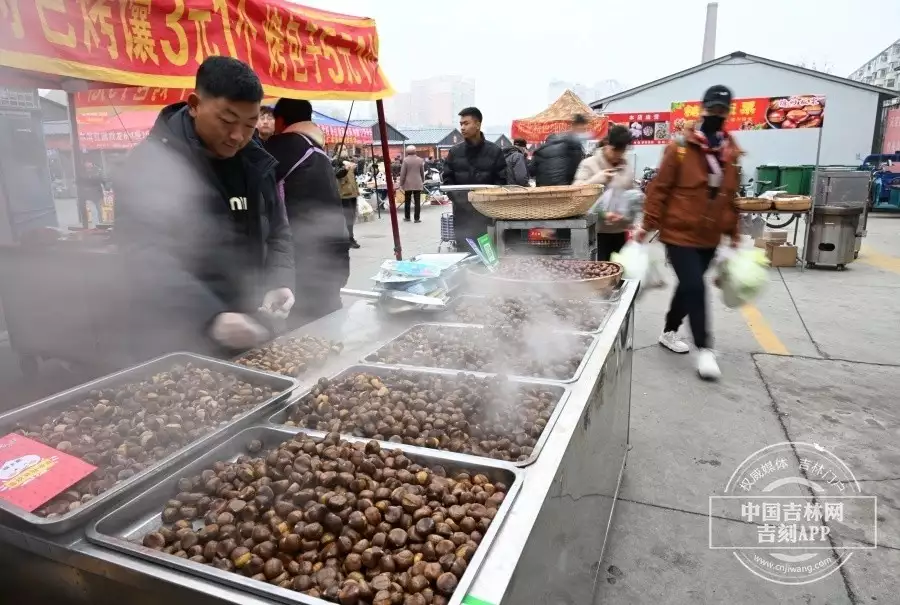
<point x="136" y="423"/>
<point x="464" y="412"/>
<point x="588" y="316"/>
<point x="532" y="353"/>
<point x="313" y="518"/>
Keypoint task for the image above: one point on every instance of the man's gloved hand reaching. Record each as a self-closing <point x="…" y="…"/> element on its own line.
<point x="237" y="331"/>
<point x="278" y="303"/>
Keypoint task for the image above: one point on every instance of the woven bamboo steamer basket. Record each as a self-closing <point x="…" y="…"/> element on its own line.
<point x="573" y="289"/>
<point x="753" y="204"/>
<point x="535" y="203"/>
<point x="789" y="202"/>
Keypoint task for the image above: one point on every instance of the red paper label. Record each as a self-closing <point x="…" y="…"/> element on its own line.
<point x="32" y="473"/>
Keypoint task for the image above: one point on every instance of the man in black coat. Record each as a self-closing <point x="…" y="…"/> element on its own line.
<point x="321" y="240"/>
<point x="556" y="161"/>
<point x="475" y="161"/>
<point x="201" y="228"/>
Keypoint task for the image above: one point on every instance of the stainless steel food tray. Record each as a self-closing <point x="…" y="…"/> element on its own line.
<point x="123" y="528"/>
<point x="64" y="523"/>
<point x="281" y="416"/>
<point x="368" y="359"/>
<point x="607" y="307"/>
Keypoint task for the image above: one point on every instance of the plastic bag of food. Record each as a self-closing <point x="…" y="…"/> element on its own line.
<point x="634" y="259"/>
<point x="742" y="276"/>
<point x="656" y="269"/>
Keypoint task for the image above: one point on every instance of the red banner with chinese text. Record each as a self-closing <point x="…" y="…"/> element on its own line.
<point x="763" y="113"/>
<point x="297" y="52"/>
<point x="536" y="132"/>
<point x="890" y="143"/>
<point x="647" y="128"/>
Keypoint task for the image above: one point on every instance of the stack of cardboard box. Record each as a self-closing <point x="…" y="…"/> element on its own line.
<point x="778" y="251"/>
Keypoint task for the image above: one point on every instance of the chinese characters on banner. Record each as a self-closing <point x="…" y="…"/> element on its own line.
<point x="298" y="52"/>
<point x="764" y="113"/>
<point x="647" y="128"/>
<point x="891" y="141"/>
<point x="32" y="473"/>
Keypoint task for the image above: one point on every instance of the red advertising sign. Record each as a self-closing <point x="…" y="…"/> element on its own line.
<point x="763" y="113"/>
<point x="647" y="128"/>
<point x="32" y="473"/>
<point x="891" y="141"/>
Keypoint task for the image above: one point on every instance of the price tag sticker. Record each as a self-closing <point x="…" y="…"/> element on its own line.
<point x="487" y="248"/>
<point x="32" y="473"/>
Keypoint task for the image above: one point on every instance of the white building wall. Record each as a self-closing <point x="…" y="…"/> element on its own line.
<point x="849" y="114"/>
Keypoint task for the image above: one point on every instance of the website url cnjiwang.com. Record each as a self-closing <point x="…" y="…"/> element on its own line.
<point x="784" y="568"/>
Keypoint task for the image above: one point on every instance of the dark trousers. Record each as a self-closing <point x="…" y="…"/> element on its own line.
<point x="349" y="205"/>
<point x="607" y="243"/>
<point x="689" y="298"/>
<point x="412" y="196"/>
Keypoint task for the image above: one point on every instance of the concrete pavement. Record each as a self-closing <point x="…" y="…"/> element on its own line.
<point x="814" y="359"/>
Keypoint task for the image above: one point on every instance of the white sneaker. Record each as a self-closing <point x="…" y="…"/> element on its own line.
<point x="707" y="366"/>
<point x="671" y="341"/>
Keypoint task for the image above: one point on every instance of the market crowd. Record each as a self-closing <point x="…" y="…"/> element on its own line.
<point x="233" y="218"/>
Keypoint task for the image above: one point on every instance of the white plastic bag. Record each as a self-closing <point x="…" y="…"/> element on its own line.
<point x="742" y="276"/>
<point x="634" y="259"/>
<point x="363" y="208"/>
<point x="656" y="276"/>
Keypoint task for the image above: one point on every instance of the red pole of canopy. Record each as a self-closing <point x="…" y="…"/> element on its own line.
<point x="388" y="179"/>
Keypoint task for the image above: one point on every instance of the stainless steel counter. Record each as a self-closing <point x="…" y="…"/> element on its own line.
<point x="547" y="550"/>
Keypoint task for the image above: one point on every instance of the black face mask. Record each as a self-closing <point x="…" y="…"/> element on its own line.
<point x="712" y="125"/>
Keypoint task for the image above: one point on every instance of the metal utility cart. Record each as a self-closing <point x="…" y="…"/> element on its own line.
<point x="564" y="498"/>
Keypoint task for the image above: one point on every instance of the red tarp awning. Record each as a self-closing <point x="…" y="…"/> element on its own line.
<point x="558" y="118"/>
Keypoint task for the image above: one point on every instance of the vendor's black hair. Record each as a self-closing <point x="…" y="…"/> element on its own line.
<point x="228" y="78"/>
<point x="520" y="143"/>
<point x="618" y="137"/>
<point x="293" y="111"/>
<point x="472" y="112"/>
<point x="579" y="120"/>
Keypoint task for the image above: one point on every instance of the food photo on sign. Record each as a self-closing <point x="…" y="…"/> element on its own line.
<point x="762" y="113"/>
<point x="647" y="128"/>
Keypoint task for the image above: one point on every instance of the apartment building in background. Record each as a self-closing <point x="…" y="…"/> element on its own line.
<point x="434" y="101"/>
<point x="881" y="70"/>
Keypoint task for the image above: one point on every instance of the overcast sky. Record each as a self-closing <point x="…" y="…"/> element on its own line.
<point x="514" y="48"/>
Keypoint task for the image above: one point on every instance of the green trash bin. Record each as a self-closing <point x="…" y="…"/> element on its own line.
<point x="791" y="179"/>
<point x="806" y="180"/>
<point x="767" y="173"/>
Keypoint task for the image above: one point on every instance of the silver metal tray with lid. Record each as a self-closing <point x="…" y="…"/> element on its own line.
<point x="572" y="336"/>
<point x="123" y="528"/>
<point x="603" y="306"/>
<point x="383" y="371"/>
<point x="282" y="386"/>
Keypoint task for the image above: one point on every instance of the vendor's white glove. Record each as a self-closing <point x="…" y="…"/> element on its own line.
<point x="278" y="302"/>
<point x="237" y="331"/>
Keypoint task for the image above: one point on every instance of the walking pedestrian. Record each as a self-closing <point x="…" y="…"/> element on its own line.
<point x="517" y="163"/>
<point x="475" y="161"/>
<point x="555" y="162"/>
<point x="608" y="166"/>
<point x="412" y="181"/>
<point x="691" y="203"/>
<point x="345" y="172"/>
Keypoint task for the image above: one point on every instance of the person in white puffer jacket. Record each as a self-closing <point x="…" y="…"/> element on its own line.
<point x="608" y="166"/>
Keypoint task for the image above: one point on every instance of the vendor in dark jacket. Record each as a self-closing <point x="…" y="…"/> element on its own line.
<point x="556" y="161"/>
<point x="321" y="241"/>
<point x="202" y="230"/>
<point x="475" y="161"/>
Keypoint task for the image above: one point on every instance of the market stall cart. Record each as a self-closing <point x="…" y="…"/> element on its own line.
<point x="561" y="492"/>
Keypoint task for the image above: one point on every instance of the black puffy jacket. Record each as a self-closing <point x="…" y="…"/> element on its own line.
<point x="556" y="161"/>
<point x="481" y="163"/>
<point x="186" y="257"/>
